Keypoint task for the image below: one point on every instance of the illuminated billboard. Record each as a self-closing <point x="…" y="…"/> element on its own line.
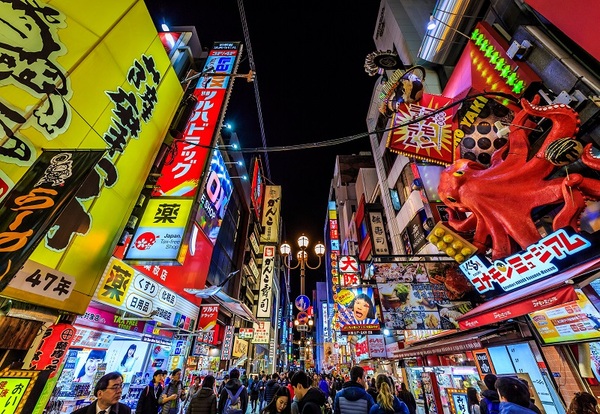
<point x="159" y="236"/>
<point x="271" y="212"/>
<point x="215" y="197"/>
<point x="79" y="79"/>
<point x="182" y="176"/>
<point x="257" y="191"/>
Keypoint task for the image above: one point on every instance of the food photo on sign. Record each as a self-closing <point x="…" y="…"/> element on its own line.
<point x="422" y="296"/>
<point x="356" y="310"/>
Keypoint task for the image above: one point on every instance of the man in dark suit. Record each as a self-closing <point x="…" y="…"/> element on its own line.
<point x="108" y="392"/>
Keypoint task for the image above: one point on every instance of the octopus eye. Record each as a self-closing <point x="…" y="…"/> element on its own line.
<point x="452" y="199"/>
<point x="458" y="173"/>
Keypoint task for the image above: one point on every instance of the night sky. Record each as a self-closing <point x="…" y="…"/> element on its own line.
<point x="309" y="59"/>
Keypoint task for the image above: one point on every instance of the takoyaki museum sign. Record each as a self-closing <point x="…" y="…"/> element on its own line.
<point x="552" y="254"/>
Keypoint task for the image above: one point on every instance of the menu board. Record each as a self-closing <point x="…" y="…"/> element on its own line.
<point x="573" y="321"/>
<point x="422" y="296"/>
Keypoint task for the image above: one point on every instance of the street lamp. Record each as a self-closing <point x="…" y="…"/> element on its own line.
<point x="302" y="263"/>
<point x="301" y="257"/>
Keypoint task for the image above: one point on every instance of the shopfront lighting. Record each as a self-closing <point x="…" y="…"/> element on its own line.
<point x="433" y="24"/>
<point x="165" y="28"/>
<point x="386" y="332"/>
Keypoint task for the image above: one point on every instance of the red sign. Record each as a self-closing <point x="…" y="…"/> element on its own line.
<point x="208" y="317"/>
<point x="431" y="138"/>
<point x="53" y="348"/>
<point x="181" y="177"/>
<point x="519" y="308"/>
<point x="257" y="192"/>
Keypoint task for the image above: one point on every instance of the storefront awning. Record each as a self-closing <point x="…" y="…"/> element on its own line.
<point x="541" y="295"/>
<point x="455" y="344"/>
<point x="231" y="304"/>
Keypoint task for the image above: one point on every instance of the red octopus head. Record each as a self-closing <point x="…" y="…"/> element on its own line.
<point x="453" y="178"/>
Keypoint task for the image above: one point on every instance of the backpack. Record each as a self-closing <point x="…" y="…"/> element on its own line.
<point x="233" y="405"/>
<point x="493" y="407"/>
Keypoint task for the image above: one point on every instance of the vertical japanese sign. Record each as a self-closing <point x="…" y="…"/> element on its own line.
<point x="271" y="212"/>
<point x="265" y="296"/>
<point x="214" y="198"/>
<point x="227" y="343"/>
<point x="35" y="203"/>
<point x="159" y="236"/>
<point x="380" y="244"/>
<point x="333" y="237"/>
<point x="459" y="402"/>
<point x="53" y="348"/>
<point x="181" y="177"/>
<point x="349" y="271"/>
<point x="430" y="139"/>
<point x="257" y="191"/>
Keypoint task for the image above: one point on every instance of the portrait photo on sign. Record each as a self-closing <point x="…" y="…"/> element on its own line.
<point x="126" y="357"/>
<point x="356" y="310"/>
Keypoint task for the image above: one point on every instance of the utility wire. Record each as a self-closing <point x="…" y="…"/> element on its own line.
<point x="256" y="92"/>
<point x="350" y="138"/>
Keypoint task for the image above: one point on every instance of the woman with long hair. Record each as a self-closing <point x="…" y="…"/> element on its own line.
<point x="280" y="404"/>
<point x="128" y="359"/>
<point x="473" y="401"/>
<point x="407" y="398"/>
<point x="205" y="400"/>
<point x="88" y="370"/>
<point x="583" y="403"/>
<point x="387" y="402"/>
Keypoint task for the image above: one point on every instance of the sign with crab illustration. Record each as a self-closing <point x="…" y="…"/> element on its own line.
<point x="422" y="296"/>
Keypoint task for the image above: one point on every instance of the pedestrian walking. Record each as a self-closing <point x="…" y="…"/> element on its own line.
<point x="108" y="392"/>
<point x="173" y="394"/>
<point x="353" y="397"/>
<point x="204" y="401"/>
<point x="148" y="401"/>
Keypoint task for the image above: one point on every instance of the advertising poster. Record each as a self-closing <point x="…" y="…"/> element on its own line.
<point x="240" y="348"/>
<point x="90" y="87"/>
<point x="126" y="357"/>
<point x="215" y="197"/>
<point x="262" y="332"/>
<point x="422" y="296"/>
<point x="570" y="322"/>
<point x="20" y="389"/>
<point x="356" y="310"/>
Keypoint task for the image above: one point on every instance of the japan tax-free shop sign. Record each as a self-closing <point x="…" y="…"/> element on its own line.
<point x="77" y="77"/>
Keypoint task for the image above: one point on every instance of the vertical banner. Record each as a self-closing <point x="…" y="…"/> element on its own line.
<point x="227" y="343"/>
<point x="257" y="191"/>
<point x="271" y="211"/>
<point x="182" y="176"/>
<point x="53" y="348"/>
<point x="265" y="296"/>
<point x="380" y="244"/>
<point x="35" y="203"/>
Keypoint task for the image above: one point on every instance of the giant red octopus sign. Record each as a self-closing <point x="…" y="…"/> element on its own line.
<point x="522" y="177"/>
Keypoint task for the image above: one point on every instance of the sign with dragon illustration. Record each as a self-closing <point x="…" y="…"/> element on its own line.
<point x="422" y="296"/>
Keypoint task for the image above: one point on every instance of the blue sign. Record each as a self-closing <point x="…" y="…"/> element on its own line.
<point x="302" y="303"/>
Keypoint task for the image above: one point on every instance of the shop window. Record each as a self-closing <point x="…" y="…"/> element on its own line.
<point x="405" y="183"/>
<point x="395" y="199"/>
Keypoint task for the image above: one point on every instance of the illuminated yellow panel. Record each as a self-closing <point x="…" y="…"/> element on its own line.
<point x="97" y="56"/>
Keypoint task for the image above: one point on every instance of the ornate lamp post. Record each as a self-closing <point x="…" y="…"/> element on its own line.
<point x="302" y="263"/>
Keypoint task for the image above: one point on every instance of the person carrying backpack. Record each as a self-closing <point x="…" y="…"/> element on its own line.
<point x="490" y="401"/>
<point x="233" y="398"/>
<point x="254" y="391"/>
<point x="148" y="401"/>
<point x="387" y="402"/>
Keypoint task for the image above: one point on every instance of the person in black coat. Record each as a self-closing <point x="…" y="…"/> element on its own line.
<point x="148" y="402"/>
<point x="108" y="391"/>
<point x="233" y="385"/>
<point x="205" y="400"/>
<point x="271" y="388"/>
<point x="406" y="396"/>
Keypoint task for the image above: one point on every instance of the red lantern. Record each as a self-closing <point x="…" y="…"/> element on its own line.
<point x="53" y="348"/>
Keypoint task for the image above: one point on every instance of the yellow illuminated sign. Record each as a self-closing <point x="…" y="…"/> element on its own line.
<point x="167" y="212"/>
<point x="82" y="79"/>
<point x="115" y="283"/>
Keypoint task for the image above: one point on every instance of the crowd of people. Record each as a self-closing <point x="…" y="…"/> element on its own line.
<point x="304" y="393"/>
